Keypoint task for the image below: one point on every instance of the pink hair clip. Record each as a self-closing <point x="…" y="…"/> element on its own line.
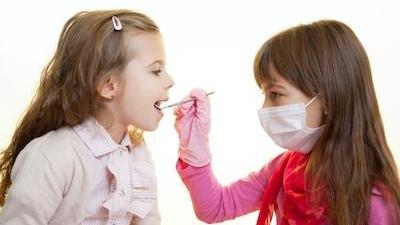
<point x="116" y="23"/>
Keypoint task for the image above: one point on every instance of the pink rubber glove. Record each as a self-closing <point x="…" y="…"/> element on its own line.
<point x="192" y="124"/>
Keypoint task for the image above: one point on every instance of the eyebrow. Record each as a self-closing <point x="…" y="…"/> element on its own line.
<point x="276" y="84"/>
<point x="155" y="62"/>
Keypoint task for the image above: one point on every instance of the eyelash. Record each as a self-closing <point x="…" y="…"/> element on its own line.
<point x="274" y="95"/>
<point x="157" y="72"/>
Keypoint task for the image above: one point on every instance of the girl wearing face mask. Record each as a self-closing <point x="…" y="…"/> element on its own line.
<point x="320" y="105"/>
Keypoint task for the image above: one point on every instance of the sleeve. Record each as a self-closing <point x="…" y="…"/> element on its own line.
<point x="382" y="212"/>
<point x="215" y="203"/>
<point x="35" y="193"/>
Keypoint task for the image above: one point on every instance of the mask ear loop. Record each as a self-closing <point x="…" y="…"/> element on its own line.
<point x="116" y="23"/>
<point x="312" y="100"/>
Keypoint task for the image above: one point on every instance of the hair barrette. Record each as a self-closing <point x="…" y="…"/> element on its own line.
<point x="116" y="23"/>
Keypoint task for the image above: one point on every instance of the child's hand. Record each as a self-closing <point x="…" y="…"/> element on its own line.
<point x="193" y="125"/>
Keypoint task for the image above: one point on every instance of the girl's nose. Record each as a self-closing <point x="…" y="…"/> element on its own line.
<point x="170" y="82"/>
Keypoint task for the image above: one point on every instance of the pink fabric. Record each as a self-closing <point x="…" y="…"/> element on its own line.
<point x="289" y="176"/>
<point x="193" y="125"/>
<point x="215" y="203"/>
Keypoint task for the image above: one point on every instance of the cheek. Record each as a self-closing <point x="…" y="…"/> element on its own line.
<point x="264" y="104"/>
<point x="314" y="116"/>
<point x="129" y="100"/>
<point x="267" y="102"/>
<point x="132" y="109"/>
<point x="133" y="101"/>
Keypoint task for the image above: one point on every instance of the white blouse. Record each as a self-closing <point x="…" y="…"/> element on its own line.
<point x="123" y="181"/>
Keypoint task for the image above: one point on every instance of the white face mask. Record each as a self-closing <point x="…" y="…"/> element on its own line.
<point x="286" y="125"/>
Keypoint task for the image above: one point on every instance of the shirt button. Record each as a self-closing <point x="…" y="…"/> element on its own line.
<point x="122" y="193"/>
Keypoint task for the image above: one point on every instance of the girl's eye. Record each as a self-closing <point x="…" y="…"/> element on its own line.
<point x="275" y="95"/>
<point x="156" y="72"/>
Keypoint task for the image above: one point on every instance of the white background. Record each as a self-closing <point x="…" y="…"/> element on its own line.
<point x="210" y="44"/>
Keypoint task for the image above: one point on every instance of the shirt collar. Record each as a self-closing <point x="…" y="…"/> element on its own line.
<point x="97" y="139"/>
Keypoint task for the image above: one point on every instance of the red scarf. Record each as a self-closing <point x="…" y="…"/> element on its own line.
<point x="289" y="176"/>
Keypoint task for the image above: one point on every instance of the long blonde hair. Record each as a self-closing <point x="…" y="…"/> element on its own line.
<point x="87" y="50"/>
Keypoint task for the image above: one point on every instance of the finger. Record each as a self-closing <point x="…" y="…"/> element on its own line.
<point x="202" y="103"/>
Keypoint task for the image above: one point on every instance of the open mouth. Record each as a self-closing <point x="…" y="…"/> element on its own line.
<point x="157" y="105"/>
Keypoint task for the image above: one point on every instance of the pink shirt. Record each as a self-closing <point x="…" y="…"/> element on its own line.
<point x="123" y="182"/>
<point x="214" y="203"/>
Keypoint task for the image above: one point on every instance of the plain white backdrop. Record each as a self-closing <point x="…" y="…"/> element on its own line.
<point x="209" y="44"/>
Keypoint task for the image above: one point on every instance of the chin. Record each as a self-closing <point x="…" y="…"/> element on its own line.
<point x="148" y="127"/>
<point x="153" y="128"/>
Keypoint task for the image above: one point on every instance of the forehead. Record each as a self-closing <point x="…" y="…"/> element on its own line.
<point x="273" y="77"/>
<point x="145" y="46"/>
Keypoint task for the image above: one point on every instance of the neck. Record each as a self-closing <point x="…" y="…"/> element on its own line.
<point x="114" y="128"/>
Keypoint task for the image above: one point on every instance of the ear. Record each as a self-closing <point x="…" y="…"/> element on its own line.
<point x="324" y="110"/>
<point x="108" y="87"/>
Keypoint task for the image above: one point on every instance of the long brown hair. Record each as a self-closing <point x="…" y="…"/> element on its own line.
<point x="352" y="155"/>
<point x="88" y="50"/>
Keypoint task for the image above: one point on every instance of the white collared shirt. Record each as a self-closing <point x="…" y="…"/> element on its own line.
<point x="123" y="182"/>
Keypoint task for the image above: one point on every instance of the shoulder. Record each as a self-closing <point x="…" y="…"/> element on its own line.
<point x="54" y="145"/>
<point x="48" y="174"/>
<point x="274" y="162"/>
<point x="59" y="149"/>
<point x="263" y="174"/>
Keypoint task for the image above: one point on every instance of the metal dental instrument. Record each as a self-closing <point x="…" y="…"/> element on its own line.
<point x="185" y="101"/>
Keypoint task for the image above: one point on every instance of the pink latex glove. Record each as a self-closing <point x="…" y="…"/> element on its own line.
<point x="192" y="124"/>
